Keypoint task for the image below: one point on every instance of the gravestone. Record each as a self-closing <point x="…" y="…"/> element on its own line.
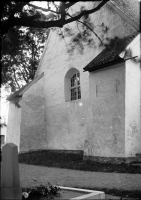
<point x="10" y="181"/>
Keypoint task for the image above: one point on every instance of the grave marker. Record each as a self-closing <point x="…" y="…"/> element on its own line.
<point x="10" y="181"/>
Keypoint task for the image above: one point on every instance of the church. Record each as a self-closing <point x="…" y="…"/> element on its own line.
<point x="87" y="98"/>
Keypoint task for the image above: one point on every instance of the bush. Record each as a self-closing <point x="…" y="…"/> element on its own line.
<point x="40" y="192"/>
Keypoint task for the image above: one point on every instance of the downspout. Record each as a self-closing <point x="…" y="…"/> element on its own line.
<point x="123" y="15"/>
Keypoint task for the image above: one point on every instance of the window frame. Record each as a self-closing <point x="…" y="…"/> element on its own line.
<point x="75" y="89"/>
<point x="67" y="84"/>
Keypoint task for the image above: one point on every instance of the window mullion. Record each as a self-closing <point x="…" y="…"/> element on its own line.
<point x="75" y="87"/>
<point x="76" y="92"/>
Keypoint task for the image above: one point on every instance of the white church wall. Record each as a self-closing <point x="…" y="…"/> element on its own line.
<point x="56" y="48"/>
<point x="107" y="116"/>
<point x="133" y="101"/>
<point x="66" y="127"/>
<point x="63" y="118"/>
<point x="13" y="127"/>
<point x="33" y="133"/>
<point x="69" y="125"/>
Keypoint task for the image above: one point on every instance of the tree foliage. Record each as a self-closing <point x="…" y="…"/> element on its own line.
<point x="20" y="57"/>
<point x="24" y="29"/>
<point x="20" y="13"/>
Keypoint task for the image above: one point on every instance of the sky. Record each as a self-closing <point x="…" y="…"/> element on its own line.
<point x="4" y="105"/>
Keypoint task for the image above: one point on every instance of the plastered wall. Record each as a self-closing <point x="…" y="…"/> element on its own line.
<point x="96" y="122"/>
<point x="33" y="133"/>
<point x="14" y="120"/>
<point x="133" y="101"/>
<point x="57" y="48"/>
<point x="76" y="124"/>
<point x="107" y="117"/>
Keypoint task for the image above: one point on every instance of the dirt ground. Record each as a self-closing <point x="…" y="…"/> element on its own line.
<point x="31" y="175"/>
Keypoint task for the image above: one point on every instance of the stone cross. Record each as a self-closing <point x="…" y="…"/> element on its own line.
<point x="10" y="182"/>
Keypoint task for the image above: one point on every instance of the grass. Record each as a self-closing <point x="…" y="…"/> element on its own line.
<point x="122" y="194"/>
<point x="75" y="162"/>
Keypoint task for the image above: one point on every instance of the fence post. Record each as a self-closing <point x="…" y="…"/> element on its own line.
<point x="10" y="181"/>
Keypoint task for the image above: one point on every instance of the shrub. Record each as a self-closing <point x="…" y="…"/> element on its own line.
<point x="40" y="191"/>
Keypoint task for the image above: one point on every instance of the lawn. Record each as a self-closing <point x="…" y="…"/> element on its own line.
<point x="76" y="162"/>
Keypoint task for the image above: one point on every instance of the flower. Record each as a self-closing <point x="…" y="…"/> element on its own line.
<point x="25" y="194"/>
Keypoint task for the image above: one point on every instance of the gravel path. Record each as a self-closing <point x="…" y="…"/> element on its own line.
<point x="31" y="175"/>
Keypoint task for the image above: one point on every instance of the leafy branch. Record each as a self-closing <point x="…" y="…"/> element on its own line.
<point x="35" y="20"/>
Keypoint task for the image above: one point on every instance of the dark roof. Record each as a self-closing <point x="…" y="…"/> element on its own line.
<point x="110" y="55"/>
<point x="16" y="94"/>
<point x="106" y="57"/>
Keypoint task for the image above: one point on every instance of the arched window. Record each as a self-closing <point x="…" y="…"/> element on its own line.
<point x="75" y="87"/>
<point x="72" y="85"/>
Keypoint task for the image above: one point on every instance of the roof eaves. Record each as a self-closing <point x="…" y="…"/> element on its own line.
<point x="16" y="94"/>
<point x="19" y="93"/>
<point x="104" y="65"/>
<point x="31" y="83"/>
<point x="109" y="55"/>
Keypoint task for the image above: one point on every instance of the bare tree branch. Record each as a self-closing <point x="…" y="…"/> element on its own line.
<point x="78" y="26"/>
<point x="18" y="8"/>
<point x="32" y="21"/>
<point x="92" y="31"/>
<point x="68" y="5"/>
<point x="88" y="28"/>
<point x="86" y="12"/>
<point x="48" y="5"/>
<point x="24" y="66"/>
<point x="63" y="37"/>
<point x="26" y="79"/>
<point x="43" y="9"/>
<point x="62" y="10"/>
<point x="57" y="8"/>
<point x="16" y="78"/>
